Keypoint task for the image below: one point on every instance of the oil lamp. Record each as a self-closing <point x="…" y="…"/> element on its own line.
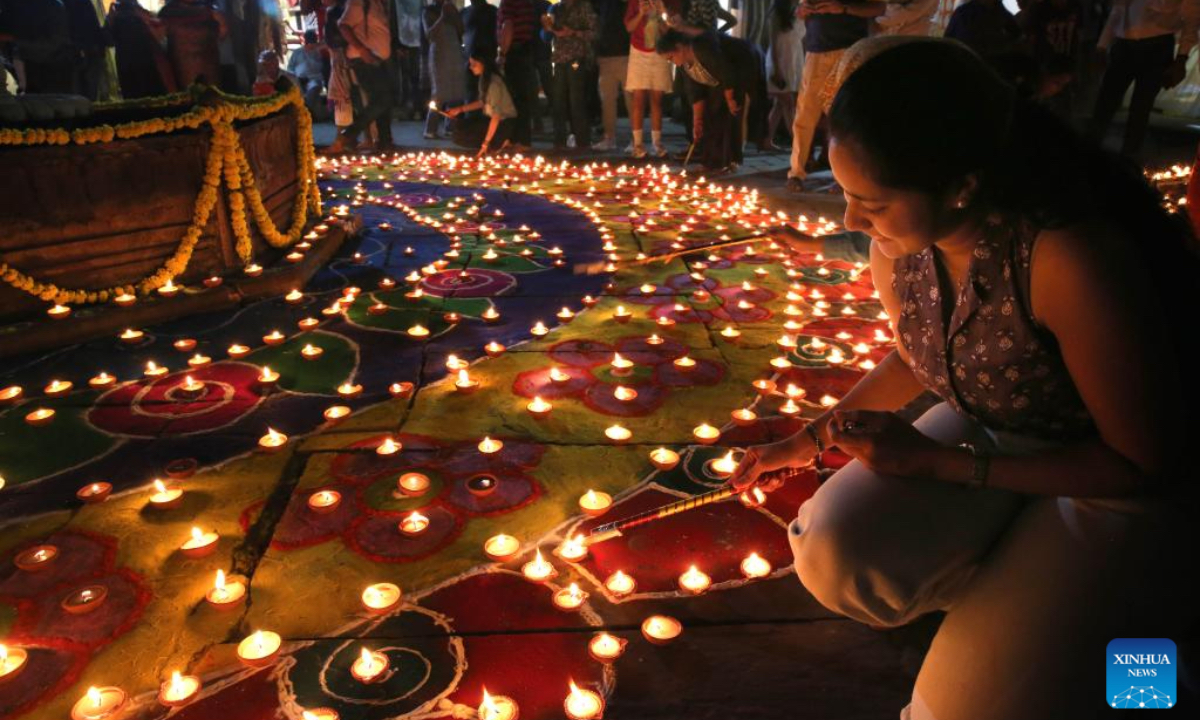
<point x="381" y="598"/>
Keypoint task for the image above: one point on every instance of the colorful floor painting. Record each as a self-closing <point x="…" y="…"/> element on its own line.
<point x="492" y="357"/>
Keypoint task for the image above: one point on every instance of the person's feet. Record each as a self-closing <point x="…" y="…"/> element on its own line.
<point x="340" y="146"/>
<point x="658" y="151"/>
<point x="605" y="145"/>
<point x="795" y="184"/>
<point x="430" y="136"/>
<point x="637" y="151"/>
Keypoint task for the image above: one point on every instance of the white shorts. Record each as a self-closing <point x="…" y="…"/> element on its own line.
<point x="648" y="71"/>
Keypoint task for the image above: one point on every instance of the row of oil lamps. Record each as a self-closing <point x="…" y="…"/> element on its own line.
<point x="262" y="646"/>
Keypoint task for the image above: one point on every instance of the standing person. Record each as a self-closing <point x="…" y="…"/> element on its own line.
<point x="545" y="65"/>
<point x="493" y="130"/>
<point x="194" y="28"/>
<point x="444" y="28"/>
<point x="1039" y="289"/>
<point x="909" y="17"/>
<point x="40" y="35"/>
<point x="1139" y="44"/>
<point x="649" y="73"/>
<point x="341" y="83"/>
<point x="90" y="43"/>
<point x="1051" y="29"/>
<point x="612" y="57"/>
<point x="722" y="72"/>
<point x="364" y="26"/>
<point x="517" y="23"/>
<point x="411" y="102"/>
<point x="479" y="29"/>
<point x="573" y="26"/>
<point x="785" y="66"/>
<point x="142" y="67"/>
<point x="830" y="26"/>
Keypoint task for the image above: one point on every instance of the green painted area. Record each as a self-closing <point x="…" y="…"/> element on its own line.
<point x="28" y="452"/>
<point x="322" y="375"/>
<point x="399" y="319"/>
<point x="383" y="495"/>
<point x="636" y="374"/>
<point x="510" y="263"/>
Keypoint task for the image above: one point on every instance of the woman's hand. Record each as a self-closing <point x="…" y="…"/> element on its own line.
<point x="453" y="112"/>
<point x="796" y="451"/>
<point x="884" y="443"/>
<point x="483" y="150"/>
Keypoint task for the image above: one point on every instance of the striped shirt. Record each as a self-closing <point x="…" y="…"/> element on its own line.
<point x="523" y="17"/>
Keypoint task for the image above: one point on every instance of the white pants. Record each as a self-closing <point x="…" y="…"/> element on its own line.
<point x="1035" y="587"/>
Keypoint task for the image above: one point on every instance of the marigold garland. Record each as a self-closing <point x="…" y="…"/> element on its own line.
<point x="226" y="158"/>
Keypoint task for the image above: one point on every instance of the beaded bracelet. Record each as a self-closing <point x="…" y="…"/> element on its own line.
<point x="811" y="429"/>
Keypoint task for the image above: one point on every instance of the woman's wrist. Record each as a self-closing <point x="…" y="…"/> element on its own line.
<point x="948" y="464"/>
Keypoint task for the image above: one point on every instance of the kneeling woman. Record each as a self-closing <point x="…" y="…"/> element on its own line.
<point x="1039" y="290"/>
<point x="495" y="127"/>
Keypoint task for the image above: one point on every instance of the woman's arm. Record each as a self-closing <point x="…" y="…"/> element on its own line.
<point x="633" y="15"/>
<point x="1093" y="295"/>
<point x="889" y="386"/>
<point x="474" y="105"/>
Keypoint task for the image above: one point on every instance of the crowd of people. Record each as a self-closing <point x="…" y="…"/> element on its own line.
<point x="363" y="63"/>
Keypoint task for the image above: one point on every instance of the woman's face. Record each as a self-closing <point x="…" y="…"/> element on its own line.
<point x="476" y="66"/>
<point x="900" y="222"/>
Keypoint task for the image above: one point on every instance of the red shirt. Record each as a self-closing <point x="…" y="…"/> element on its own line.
<point x="652" y="27"/>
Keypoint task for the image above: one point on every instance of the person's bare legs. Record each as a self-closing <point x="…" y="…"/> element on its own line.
<point x="656" y="100"/>
<point x="636" y="114"/>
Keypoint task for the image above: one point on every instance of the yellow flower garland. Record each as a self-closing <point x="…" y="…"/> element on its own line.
<point x="225" y="158"/>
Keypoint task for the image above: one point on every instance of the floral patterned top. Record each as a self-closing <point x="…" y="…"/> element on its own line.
<point x="993" y="363"/>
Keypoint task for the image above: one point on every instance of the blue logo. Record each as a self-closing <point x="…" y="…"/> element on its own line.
<point x="1141" y="673"/>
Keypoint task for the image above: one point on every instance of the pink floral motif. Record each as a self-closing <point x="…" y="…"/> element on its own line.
<point x="731" y="303"/>
<point x="470" y="283"/>
<point x="373" y="532"/>
<point x="590" y="380"/>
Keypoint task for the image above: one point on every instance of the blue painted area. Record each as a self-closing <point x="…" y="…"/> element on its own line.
<point x="385" y="357"/>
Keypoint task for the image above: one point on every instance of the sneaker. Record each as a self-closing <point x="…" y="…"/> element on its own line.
<point x="658" y="151"/>
<point x="571" y="141"/>
<point x="430" y="136"/>
<point x="605" y="145"/>
<point x="637" y="151"/>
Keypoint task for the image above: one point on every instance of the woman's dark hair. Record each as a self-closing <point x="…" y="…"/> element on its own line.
<point x="671" y="40"/>
<point x="927" y="114"/>
<point x="490" y="69"/>
<point x="785" y="14"/>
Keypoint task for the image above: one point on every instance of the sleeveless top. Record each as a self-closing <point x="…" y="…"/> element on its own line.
<point x="993" y="363"/>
